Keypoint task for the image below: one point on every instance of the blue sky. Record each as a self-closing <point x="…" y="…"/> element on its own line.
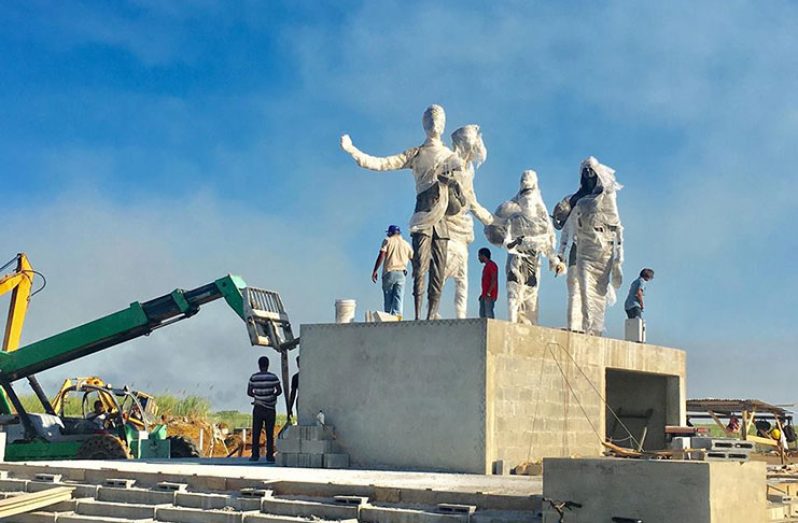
<point x="152" y="145"/>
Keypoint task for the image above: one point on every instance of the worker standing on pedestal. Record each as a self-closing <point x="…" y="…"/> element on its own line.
<point x="634" y="301"/>
<point x="264" y="388"/>
<point x="395" y="254"/>
<point x="490" y="285"/>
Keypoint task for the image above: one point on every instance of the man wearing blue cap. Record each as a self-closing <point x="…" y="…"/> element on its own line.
<point x="395" y="254"/>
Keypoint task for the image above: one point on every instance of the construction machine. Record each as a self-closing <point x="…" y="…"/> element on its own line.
<point x="48" y="435"/>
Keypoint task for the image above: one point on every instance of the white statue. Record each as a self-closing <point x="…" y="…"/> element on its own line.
<point x="593" y="209"/>
<point x="565" y="221"/>
<point x="467" y="143"/>
<point x="432" y="164"/>
<point x="522" y="225"/>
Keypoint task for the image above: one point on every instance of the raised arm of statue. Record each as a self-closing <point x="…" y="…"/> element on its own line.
<point x="379" y="163"/>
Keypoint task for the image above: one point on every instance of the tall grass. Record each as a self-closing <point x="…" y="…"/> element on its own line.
<point x="191" y="406"/>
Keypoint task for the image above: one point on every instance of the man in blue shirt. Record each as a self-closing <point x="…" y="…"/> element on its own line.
<point x="634" y="301"/>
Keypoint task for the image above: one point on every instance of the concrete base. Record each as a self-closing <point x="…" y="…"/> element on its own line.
<point x="462" y="395"/>
<point x="661" y="491"/>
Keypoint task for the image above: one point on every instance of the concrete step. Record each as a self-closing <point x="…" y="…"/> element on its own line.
<point x="266" y="518"/>
<point x="195" y="515"/>
<point x="115" y="510"/>
<point x="305" y="507"/>
<point x="135" y="496"/>
<point x="77" y="518"/>
<point x="216" y="501"/>
<point x="381" y="514"/>
<point x="32" y="517"/>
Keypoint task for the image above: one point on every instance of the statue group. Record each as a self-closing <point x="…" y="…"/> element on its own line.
<point x="442" y="228"/>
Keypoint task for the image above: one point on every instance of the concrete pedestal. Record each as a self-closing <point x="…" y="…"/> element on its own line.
<point x="468" y="395"/>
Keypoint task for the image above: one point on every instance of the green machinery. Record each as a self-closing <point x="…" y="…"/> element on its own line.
<point x="35" y="436"/>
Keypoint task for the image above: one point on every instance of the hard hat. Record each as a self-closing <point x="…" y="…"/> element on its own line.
<point x="775" y="434"/>
<point x="393" y="229"/>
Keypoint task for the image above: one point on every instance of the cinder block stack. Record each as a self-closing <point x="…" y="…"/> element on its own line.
<point x="310" y="446"/>
<point x="722" y="449"/>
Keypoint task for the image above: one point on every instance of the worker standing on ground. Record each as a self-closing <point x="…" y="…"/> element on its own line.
<point x="294" y="391"/>
<point x="264" y="388"/>
<point x="395" y="254"/>
<point x="490" y="284"/>
<point x="634" y="301"/>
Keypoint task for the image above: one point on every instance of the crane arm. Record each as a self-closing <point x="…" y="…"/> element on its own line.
<point x="139" y="319"/>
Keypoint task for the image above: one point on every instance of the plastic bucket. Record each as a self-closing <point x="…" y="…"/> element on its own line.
<point x="345" y="311"/>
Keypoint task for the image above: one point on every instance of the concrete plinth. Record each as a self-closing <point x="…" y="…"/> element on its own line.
<point x="461" y="395"/>
<point x="661" y="491"/>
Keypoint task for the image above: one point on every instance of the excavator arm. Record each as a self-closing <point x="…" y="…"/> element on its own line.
<point x="139" y="319"/>
<point x="19" y="283"/>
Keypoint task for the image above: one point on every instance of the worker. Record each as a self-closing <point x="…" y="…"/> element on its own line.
<point x="395" y="254"/>
<point x="264" y="389"/>
<point x="490" y="284"/>
<point x="432" y="164"/>
<point x="294" y="391"/>
<point x="634" y="301"/>
<point x="99" y="415"/>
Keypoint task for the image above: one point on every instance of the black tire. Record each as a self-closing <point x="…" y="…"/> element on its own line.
<point x="182" y="447"/>
<point x="104" y="446"/>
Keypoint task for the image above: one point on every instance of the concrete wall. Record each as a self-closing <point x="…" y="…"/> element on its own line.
<point x="661" y="491"/>
<point x="407" y="395"/>
<point x="458" y="395"/>
<point x="542" y="382"/>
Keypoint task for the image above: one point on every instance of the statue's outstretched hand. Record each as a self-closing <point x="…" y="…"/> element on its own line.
<point x="346" y="144"/>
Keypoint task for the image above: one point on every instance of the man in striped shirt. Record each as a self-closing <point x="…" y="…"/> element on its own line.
<point x="264" y="388"/>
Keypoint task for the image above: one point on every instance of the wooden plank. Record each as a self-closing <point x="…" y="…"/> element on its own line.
<point x="33" y="501"/>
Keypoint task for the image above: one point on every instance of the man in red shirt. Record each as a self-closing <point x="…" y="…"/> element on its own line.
<point x="490" y="284"/>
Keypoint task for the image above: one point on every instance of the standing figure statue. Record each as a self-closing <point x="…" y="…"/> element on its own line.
<point x="433" y="165"/>
<point x="599" y="236"/>
<point x="522" y="225"/>
<point x="567" y="223"/>
<point x="468" y="145"/>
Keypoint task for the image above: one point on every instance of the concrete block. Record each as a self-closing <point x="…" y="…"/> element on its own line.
<point x="288" y="445"/>
<point x="14" y="485"/>
<point x="49" y="478"/>
<point x="77" y="518"/>
<point x="33" y="517"/>
<point x="288" y="459"/>
<point x="317" y="433"/>
<point x="193" y="515"/>
<point x="136" y="496"/>
<point x="350" y="500"/>
<point x="170" y="486"/>
<point x="253" y="492"/>
<point x="320" y="446"/>
<point x="371" y="514"/>
<point x="119" y="482"/>
<point x="198" y="500"/>
<point x="306" y="508"/>
<point x="115" y="510"/>
<point x="722" y="444"/>
<point x="305" y="460"/>
<point x="454" y="508"/>
<point x="267" y="518"/>
<point x="694" y="491"/>
<point x="336" y="461"/>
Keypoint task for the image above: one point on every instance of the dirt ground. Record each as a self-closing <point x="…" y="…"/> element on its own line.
<point x="225" y="443"/>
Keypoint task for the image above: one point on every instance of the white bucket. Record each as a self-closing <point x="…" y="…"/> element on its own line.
<point x="345" y="311"/>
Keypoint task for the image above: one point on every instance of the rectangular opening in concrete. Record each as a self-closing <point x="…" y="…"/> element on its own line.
<point x="641" y="402"/>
